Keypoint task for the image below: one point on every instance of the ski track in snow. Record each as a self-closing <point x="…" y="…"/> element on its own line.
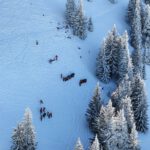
<point x="27" y="77"/>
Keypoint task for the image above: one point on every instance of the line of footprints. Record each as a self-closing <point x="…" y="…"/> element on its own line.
<point x="43" y="112"/>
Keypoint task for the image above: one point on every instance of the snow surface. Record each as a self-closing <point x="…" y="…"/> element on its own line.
<point x="26" y="76"/>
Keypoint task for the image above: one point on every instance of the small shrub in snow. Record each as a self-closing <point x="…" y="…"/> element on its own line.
<point x="78" y="145"/>
<point x="90" y="25"/>
<point x="95" y="145"/>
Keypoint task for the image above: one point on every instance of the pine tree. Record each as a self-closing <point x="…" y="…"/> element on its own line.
<point x="124" y="57"/>
<point x="119" y="139"/>
<point x="103" y="124"/>
<point x="146" y="27"/>
<point x="133" y="4"/>
<point x="139" y="103"/>
<point x="70" y="12"/>
<point x="131" y="8"/>
<point x="133" y="137"/>
<point x="123" y="90"/>
<point x="90" y="25"/>
<point x="130" y="11"/>
<point x="95" y="145"/>
<point x="94" y="107"/>
<point x="130" y="69"/>
<point x="80" y="23"/>
<point x="117" y="99"/>
<point x="137" y="61"/>
<point x="136" y="36"/>
<point x="142" y="10"/>
<point x="78" y="145"/>
<point x="116" y="45"/>
<point x="128" y="113"/>
<point x="18" y="138"/>
<point x="24" y="135"/>
<point x="103" y="63"/>
<point x="146" y="34"/>
<point x="29" y="133"/>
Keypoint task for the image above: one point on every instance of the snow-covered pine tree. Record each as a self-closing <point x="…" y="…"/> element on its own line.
<point x="115" y="48"/>
<point x="142" y="10"/>
<point x="123" y="90"/>
<point x="94" y="107"/>
<point x="80" y="23"/>
<point x="90" y="25"/>
<point x="136" y="36"/>
<point x="70" y="12"/>
<point x="78" y="145"/>
<point x="127" y="106"/>
<point x="24" y="135"/>
<point x="103" y="124"/>
<point x="146" y="27"/>
<point x="133" y="138"/>
<point x="130" y="11"/>
<point x="130" y="69"/>
<point x="146" y="34"/>
<point x="137" y="61"/>
<point x="29" y="133"/>
<point x="103" y="71"/>
<point x="95" y="145"/>
<point x="117" y="99"/>
<point x="132" y="5"/>
<point x="125" y="85"/>
<point x="123" y="64"/>
<point x="139" y="104"/>
<point x="147" y="2"/>
<point x="18" y="138"/>
<point x="119" y="139"/>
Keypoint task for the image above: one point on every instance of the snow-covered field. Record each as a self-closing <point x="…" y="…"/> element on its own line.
<point x="26" y="76"/>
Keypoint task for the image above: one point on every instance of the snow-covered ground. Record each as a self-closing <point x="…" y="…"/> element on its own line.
<point x="26" y="76"/>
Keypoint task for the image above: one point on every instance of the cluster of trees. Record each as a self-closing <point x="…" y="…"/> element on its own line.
<point x="23" y="137"/>
<point x="114" y="61"/>
<point x="115" y="125"/>
<point x="94" y="146"/>
<point x="76" y="19"/>
<point x="139" y="21"/>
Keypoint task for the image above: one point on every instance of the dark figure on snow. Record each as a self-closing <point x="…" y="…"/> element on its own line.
<point x="44" y="115"/>
<point x="68" y="77"/>
<point x="41" y="101"/>
<point x="82" y="81"/>
<point x="53" y="59"/>
<point x="49" y="115"/>
<point x="41" y="110"/>
<point x="44" y="109"/>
